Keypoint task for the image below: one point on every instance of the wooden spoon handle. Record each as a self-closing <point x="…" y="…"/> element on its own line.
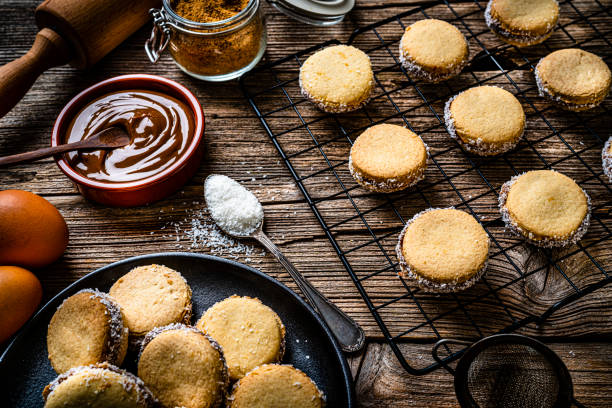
<point x="42" y="153"/>
<point x="49" y="50"/>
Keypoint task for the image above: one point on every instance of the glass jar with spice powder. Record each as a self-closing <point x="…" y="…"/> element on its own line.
<point x="213" y="40"/>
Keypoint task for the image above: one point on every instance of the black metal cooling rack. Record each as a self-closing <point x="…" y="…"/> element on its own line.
<point x="314" y="146"/>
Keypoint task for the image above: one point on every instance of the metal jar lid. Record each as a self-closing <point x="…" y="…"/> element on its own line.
<point x="316" y="12"/>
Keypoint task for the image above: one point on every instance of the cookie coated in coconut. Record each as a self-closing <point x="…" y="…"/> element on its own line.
<point x="433" y="50"/>
<point x="87" y="328"/>
<point x="546" y="208"/>
<point x="337" y="79"/>
<point x="443" y="250"/>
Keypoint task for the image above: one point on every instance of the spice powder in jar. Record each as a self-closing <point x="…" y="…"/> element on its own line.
<point x="237" y="41"/>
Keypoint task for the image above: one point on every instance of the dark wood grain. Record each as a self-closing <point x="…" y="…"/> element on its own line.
<point x="383" y="382"/>
<point x="237" y="146"/>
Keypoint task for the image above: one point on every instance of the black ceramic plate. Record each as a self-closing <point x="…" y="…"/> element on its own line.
<point x="25" y="369"/>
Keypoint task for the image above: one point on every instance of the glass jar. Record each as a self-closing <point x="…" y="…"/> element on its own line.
<point x="212" y="51"/>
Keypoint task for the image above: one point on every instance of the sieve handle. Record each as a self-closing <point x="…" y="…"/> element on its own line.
<point x="443" y="342"/>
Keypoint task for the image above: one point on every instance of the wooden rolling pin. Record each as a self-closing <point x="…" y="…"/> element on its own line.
<point x="79" y="32"/>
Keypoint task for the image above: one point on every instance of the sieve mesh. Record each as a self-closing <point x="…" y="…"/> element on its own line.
<point x="512" y="375"/>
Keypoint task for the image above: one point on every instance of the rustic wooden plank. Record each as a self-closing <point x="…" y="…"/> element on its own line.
<point x="382" y="382"/>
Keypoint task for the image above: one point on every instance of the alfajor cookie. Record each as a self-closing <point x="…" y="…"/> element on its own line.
<point x="485" y="120"/>
<point x="522" y="22"/>
<point x="183" y="367"/>
<point x="87" y="328"/>
<point x="386" y="158"/>
<point x="250" y="333"/>
<point x="337" y="79"/>
<point x="276" y="386"/>
<point x="152" y="296"/>
<point x="98" y="386"/>
<point x="574" y="79"/>
<point x="606" y="159"/>
<point x="443" y="250"/>
<point x="545" y="207"/>
<point x="433" y="50"/>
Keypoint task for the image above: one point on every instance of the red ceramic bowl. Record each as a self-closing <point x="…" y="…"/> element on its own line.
<point x="153" y="188"/>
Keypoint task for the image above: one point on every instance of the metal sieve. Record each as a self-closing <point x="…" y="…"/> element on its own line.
<point x="509" y="371"/>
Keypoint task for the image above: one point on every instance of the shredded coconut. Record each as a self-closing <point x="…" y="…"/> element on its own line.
<point x="233" y="207"/>
<point x="606" y="158"/>
<point x="202" y="232"/>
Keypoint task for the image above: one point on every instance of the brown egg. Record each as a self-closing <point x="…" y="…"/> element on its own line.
<point x="32" y="232"/>
<point x="20" y="294"/>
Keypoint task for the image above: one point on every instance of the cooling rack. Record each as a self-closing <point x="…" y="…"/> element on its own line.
<point x="363" y="227"/>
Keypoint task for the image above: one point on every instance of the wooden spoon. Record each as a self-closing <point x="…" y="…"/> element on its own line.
<point x="107" y="139"/>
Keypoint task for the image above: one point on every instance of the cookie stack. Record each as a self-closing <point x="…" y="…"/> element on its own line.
<point x="238" y="341"/>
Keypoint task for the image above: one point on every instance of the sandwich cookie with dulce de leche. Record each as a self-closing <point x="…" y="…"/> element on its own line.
<point x="386" y="158"/>
<point x="98" y="386"/>
<point x="337" y="79"/>
<point x="152" y="296"/>
<point x="443" y="250"/>
<point x="87" y="328"/>
<point x="275" y="385"/>
<point x="522" y="22"/>
<point x="545" y="207"/>
<point x="433" y="50"/>
<point x="250" y="333"/>
<point x="573" y="79"/>
<point x="183" y="367"/>
<point x="485" y="120"/>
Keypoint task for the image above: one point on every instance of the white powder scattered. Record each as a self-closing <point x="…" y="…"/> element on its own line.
<point x="204" y="233"/>
<point x="201" y="232"/>
<point x="234" y="208"/>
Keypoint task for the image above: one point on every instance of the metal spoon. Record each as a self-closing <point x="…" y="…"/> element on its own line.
<point x="107" y="139"/>
<point x="349" y="334"/>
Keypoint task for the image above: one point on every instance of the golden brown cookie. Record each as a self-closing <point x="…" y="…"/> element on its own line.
<point x="276" y="386"/>
<point x="443" y="250"/>
<point x="388" y="158"/>
<point x="98" y="386"/>
<point x="485" y="120"/>
<point x="87" y="328"/>
<point x="522" y="22"/>
<point x="183" y="367"/>
<point x="433" y="50"/>
<point x="573" y="79"/>
<point x="152" y="296"/>
<point x="606" y="159"/>
<point x="337" y="79"/>
<point x="250" y="333"/>
<point x="546" y="208"/>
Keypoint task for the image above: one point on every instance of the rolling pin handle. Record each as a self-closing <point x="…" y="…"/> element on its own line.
<point x="49" y="50"/>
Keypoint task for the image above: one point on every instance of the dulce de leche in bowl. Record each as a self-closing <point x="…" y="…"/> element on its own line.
<point x="165" y="124"/>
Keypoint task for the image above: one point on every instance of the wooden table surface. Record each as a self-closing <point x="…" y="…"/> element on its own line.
<point x="236" y="145"/>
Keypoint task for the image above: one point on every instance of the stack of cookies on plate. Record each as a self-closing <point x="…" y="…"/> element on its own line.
<point x="444" y="249"/>
<point x="228" y="358"/>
